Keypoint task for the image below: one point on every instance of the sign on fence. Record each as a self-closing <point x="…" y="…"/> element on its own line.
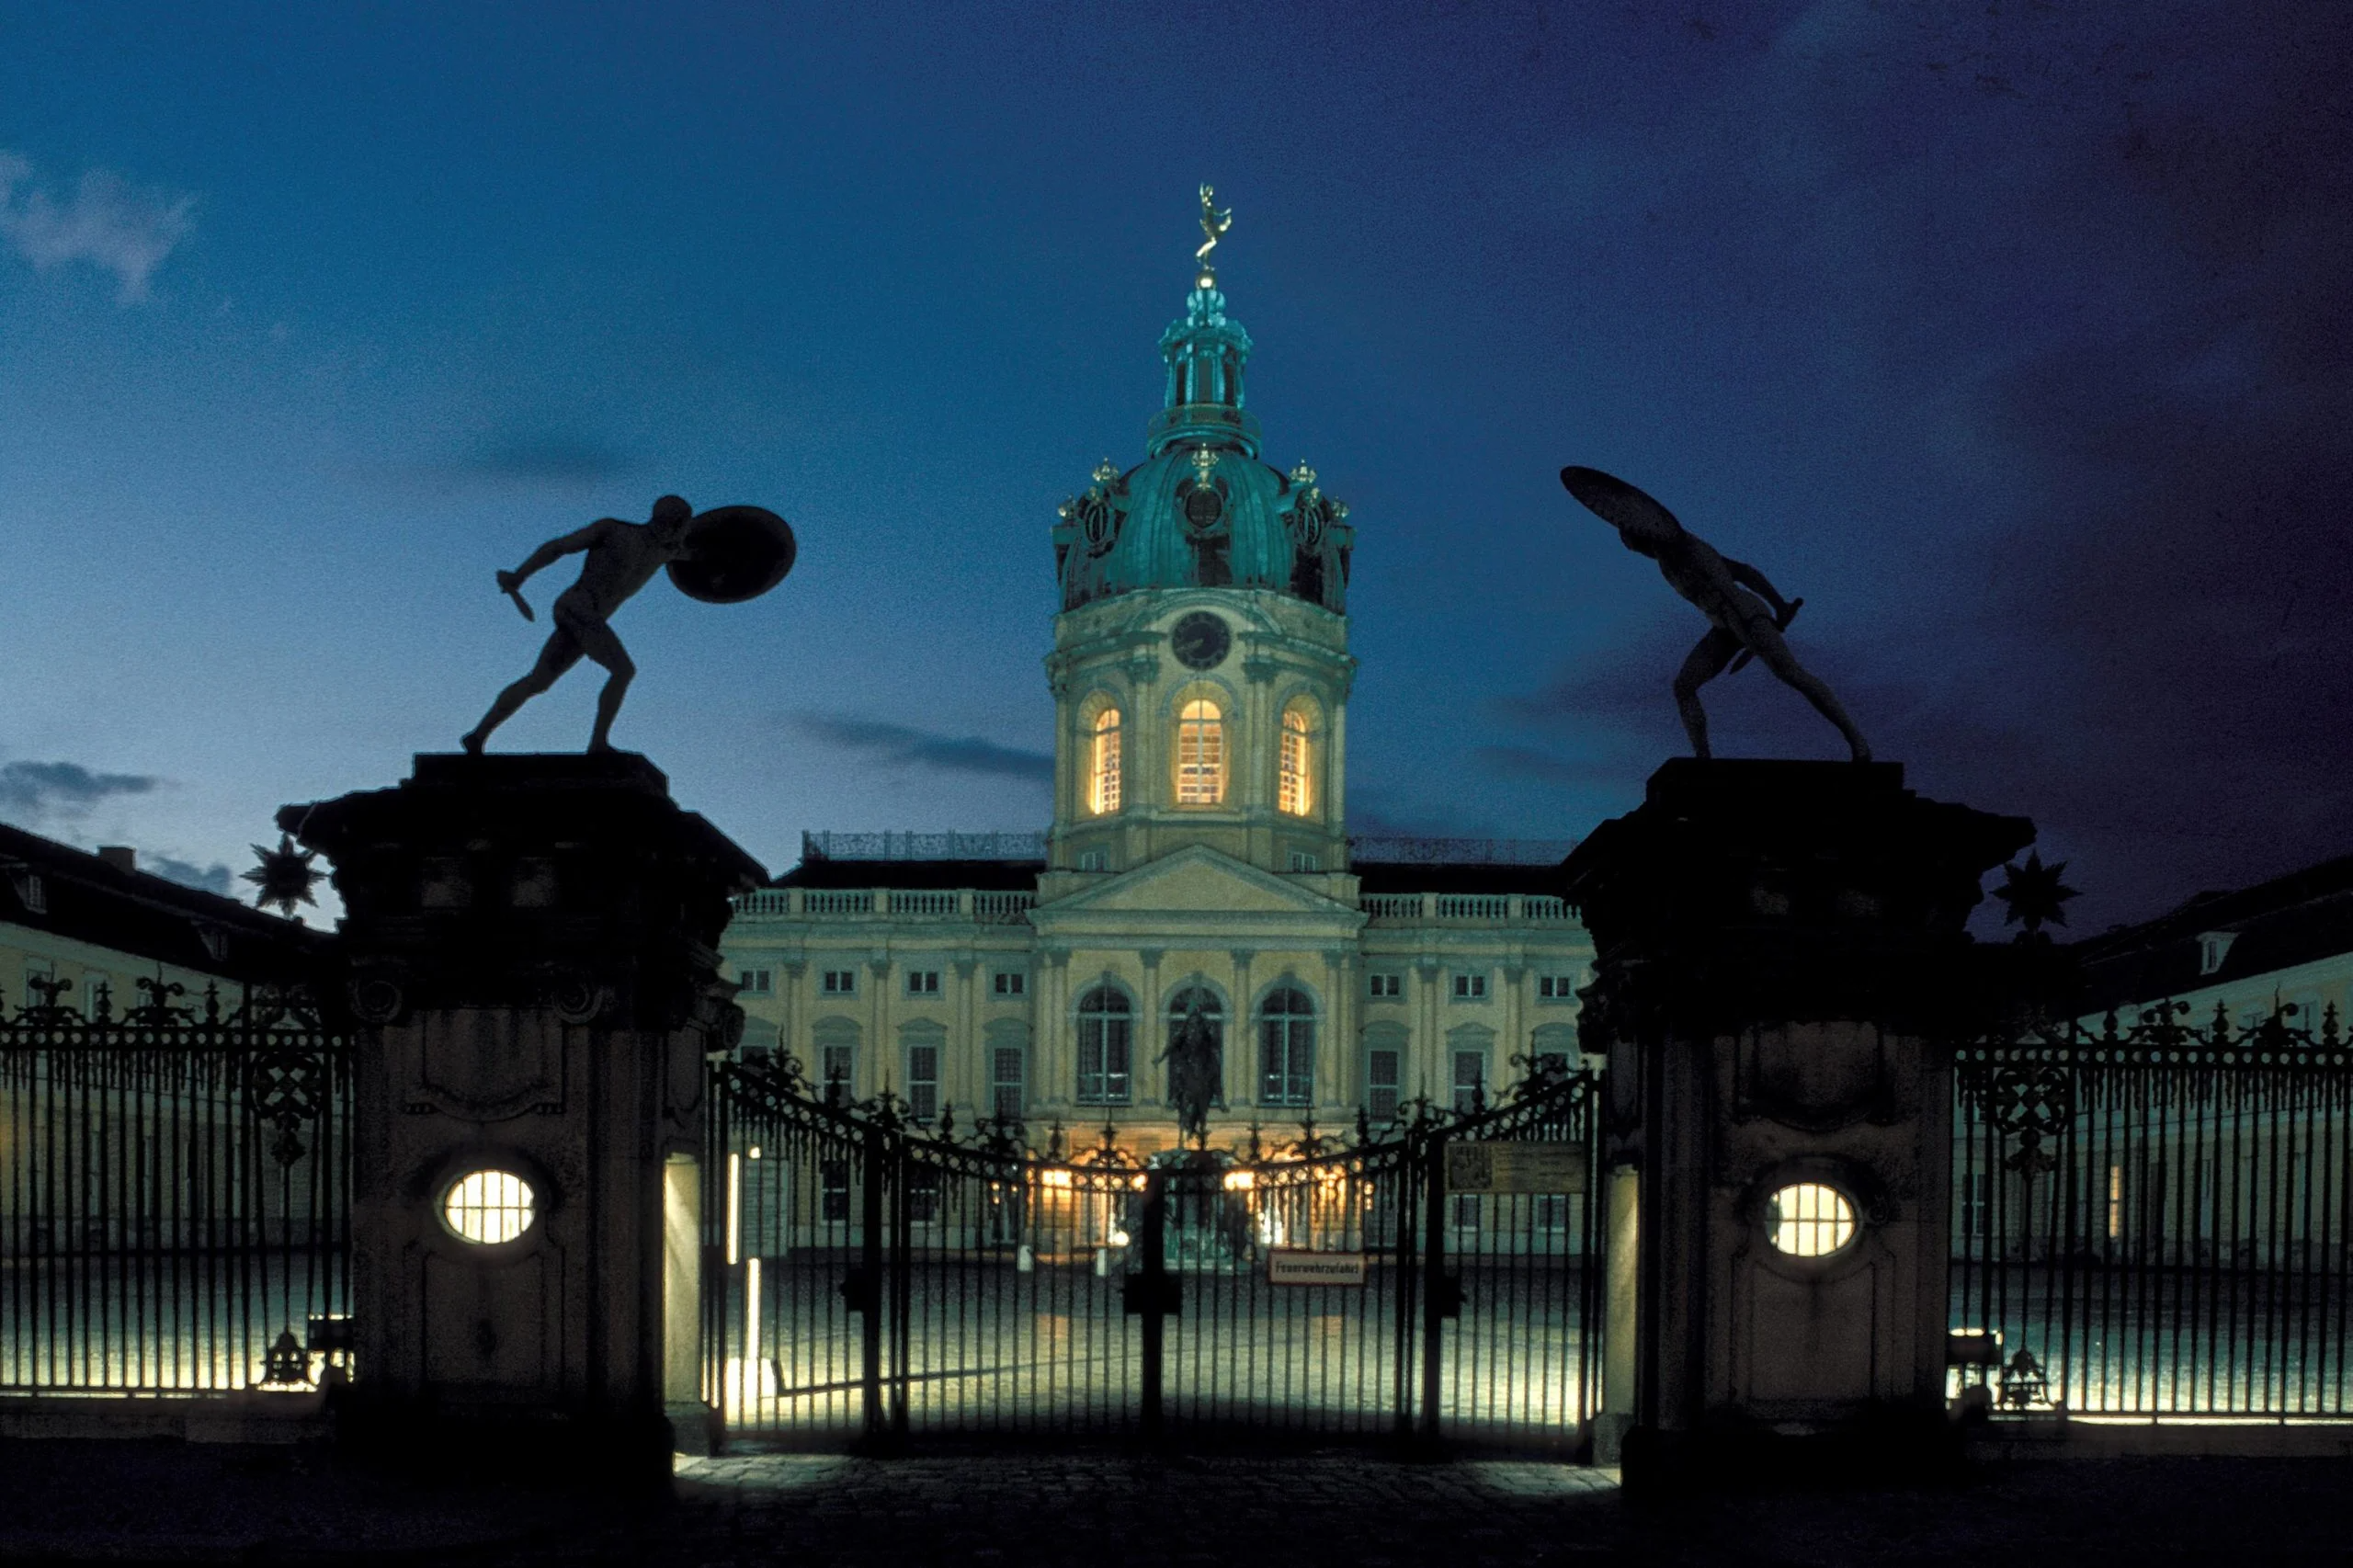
<point x="1297" y="1266"/>
<point x="1515" y="1167"/>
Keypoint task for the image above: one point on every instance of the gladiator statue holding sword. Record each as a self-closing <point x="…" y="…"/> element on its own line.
<point x="721" y="557"/>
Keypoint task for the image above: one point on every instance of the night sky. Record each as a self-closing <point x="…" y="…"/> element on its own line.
<point x="2016" y="337"/>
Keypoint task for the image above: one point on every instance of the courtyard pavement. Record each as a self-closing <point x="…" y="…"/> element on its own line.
<point x="155" y="1502"/>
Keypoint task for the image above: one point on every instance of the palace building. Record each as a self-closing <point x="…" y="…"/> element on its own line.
<point x="78" y="929"/>
<point x="1198" y="854"/>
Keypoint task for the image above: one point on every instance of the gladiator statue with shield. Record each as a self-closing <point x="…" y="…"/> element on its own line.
<point x="720" y="557"/>
<point x="1744" y="626"/>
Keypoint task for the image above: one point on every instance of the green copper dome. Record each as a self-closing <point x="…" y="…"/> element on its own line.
<point x="1201" y="510"/>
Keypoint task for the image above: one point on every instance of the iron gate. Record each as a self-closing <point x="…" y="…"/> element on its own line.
<point x="2157" y="1221"/>
<point x="871" y="1282"/>
<point x="175" y="1193"/>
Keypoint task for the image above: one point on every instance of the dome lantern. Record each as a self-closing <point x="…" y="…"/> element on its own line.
<point x="1202" y="510"/>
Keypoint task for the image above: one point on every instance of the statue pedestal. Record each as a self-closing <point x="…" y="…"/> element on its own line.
<point x="531" y="965"/>
<point x="1782" y="965"/>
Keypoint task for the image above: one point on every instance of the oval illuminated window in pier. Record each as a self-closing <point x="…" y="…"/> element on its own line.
<point x="1809" y="1218"/>
<point x="488" y="1207"/>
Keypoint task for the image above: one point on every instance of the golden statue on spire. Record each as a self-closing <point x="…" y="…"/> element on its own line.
<point x="1214" y="224"/>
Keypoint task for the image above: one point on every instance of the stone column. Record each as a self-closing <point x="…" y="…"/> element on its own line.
<point x="1057" y="1067"/>
<point x="531" y="944"/>
<point x="1149" y="1074"/>
<point x="966" y="1071"/>
<point x="1339" y="1069"/>
<point x="1240" y="1044"/>
<point x="1781" y="964"/>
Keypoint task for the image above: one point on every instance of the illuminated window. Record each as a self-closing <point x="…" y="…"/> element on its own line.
<point x="1295" y="791"/>
<point x="1200" y="754"/>
<point x="1287" y="1049"/>
<point x="1103" y="1036"/>
<point x="1103" y="777"/>
<point x="1809" y="1218"/>
<point x="488" y="1207"/>
<point x="2115" y="1201"/>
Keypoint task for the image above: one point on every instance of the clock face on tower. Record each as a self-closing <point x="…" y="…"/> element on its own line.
<point x="1201" y="641"/>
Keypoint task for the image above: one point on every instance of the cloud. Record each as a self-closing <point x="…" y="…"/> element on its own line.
<point x="1526" y="762"/>
<point x="507" y="459"/>
<point x="116" y="226"/>
<point x="895" y="746"/>
<point x="38" y="791"/>
<point x="215" y="878"/>
<point x="540" y="456"/>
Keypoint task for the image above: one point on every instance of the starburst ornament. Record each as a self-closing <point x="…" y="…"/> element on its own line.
<point x="2034" y="894"/>
<point x="284" y="876"/>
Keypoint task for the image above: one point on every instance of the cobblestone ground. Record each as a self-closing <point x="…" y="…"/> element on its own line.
<point x="165" y="1503"/>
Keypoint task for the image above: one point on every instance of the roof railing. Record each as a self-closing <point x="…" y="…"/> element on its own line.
<point x="890" y="846"/>
<point x="1385" y="849"/>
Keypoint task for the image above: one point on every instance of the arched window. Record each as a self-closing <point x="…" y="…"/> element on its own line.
<point x="1200" y="754"/>
<point x="1295" y="790"/>
<point x="1287" y="1049"/>
<point x="1104" y="1047"/>
<point x="1103" y="768"/>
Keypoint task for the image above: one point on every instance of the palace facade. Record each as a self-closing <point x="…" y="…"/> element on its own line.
<point x="1198" y="854"/>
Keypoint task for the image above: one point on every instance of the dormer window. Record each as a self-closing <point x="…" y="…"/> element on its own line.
<point x="2213" y="947"/>
<point x="1103" y="771"/>
<point x="1200" y="754"/>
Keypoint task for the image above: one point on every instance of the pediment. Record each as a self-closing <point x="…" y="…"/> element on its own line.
<point x="1195" y="880"/>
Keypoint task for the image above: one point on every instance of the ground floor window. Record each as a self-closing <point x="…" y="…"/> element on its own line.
<point x="1470" y="1082"/>
<point x="1384" y="1071"/>
<point x="1105" y="1047"/>
<point x="1287" y="1049"/>
<point x="923" y="1080"/>
<point x="833" y="1188"/>
<point x="1006" y="1081"/>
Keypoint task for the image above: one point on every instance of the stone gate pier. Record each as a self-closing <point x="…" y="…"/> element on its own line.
<point x="1780" y="962"/>
<point x="530" y="963"/>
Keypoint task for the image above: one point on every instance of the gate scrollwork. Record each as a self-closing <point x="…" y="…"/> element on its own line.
<point x="2034" y="1104"/>
<point x="286" y="1087"/>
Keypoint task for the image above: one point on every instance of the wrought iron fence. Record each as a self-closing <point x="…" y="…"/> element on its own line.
<point x="868" y="1281"/>
<point x="2157" y="1221"/>
<point x="175" y="1194"/>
